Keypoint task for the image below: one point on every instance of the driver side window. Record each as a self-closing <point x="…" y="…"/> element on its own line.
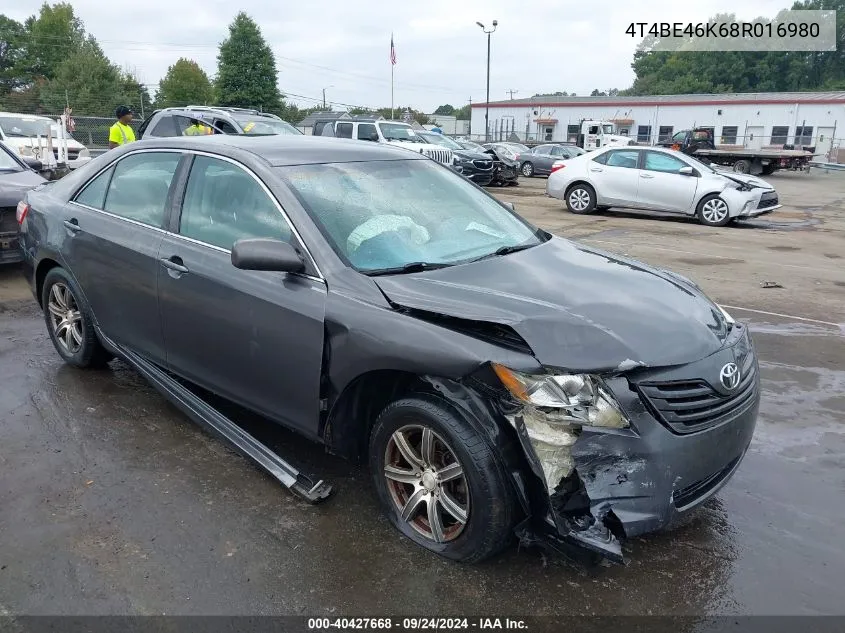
<point x="344" y="130"/>
<point x="224" y="204"/>
<point x="367" y="132"/>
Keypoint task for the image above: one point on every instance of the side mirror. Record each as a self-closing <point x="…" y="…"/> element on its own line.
<point x="686" y="171"/>
<point x="32" y="163"/>
<point x="510" y="206"/>
<point x="266" y="254"/>
<point x="374" y="137"/>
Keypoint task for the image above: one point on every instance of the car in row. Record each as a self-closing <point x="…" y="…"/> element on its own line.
<point x="658" y="179"/>
<point x="17" y="176"/>
<point x="27" y="134"/>
<point x="382" y="305"/>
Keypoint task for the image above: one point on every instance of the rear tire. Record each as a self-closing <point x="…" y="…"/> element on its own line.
<point x="713" y="211"/>
<point x="581" y="199"/>
<point x="474" y="511"/>
<point x="527" y="169"/>
<point x="742" y="166"/>
<point x="69" y="322"/>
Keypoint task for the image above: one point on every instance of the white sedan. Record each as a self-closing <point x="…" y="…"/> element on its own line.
<point x="658" y="180"/>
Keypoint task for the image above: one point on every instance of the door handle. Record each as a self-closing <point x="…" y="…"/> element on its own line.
<point x="646" y="176"/>
<point x="596" y="169"/>
<point x="72" y="225"/>
<point x="174" y="263"/>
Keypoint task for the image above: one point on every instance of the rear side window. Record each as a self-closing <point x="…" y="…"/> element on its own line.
<point x="94" y="192"/>
<point x="164" y="127"/>
<point x="367" y="132"/>
<point x="224" y="204"/>
<point x="623" y="158"/>
<point x="138" y="190"/>
<point x="601" y="159"/>
<point x="344" y="130"/>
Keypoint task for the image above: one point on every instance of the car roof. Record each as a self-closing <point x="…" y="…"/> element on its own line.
<point x="23" y="115"/>
<point x="283" y="149"/>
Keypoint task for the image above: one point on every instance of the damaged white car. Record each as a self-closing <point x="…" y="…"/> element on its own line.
<point x="658" y="179"/>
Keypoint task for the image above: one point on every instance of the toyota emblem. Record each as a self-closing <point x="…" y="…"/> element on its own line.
<point x="729" y="376"/>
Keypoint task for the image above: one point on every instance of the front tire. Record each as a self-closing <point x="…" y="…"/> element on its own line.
<point x="713" y="211"/>
<point x="439" y="481"/>
<point x="527" y="170"/>
<point x="69" y="322"/>
<point x="581" y="199"/>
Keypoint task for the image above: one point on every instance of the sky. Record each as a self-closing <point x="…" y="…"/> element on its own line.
<point x="344" y="47"/>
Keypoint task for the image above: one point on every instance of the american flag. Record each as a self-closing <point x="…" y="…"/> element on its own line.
<point x="392" y="51"/>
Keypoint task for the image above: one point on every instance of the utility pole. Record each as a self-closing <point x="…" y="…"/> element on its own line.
<point x="511" y="93"/>
<point x="469" y="129"/>
<point x="487" y="104"/>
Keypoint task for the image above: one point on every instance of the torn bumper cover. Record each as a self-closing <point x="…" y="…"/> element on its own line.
<point x="634" y="473"/>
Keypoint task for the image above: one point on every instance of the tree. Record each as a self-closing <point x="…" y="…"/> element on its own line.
<point x="246" y="68"/>
<point x="184" y="84"/>
<point x="50" y="39"/>
<point x="555" y="94"/>
<point x="89" y="82"/>
<point x="446" y="110"/>
<point x="11" y="51"/>
<point x="464" y="113"/>
<point x="136" y="93"/>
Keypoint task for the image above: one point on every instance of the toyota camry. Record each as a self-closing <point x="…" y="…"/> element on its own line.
<point x="500" y="381"/>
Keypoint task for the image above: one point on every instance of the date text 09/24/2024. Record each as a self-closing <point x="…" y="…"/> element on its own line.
<point x="416" y="624"/>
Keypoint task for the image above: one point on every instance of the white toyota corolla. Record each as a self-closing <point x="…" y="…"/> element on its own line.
<point x="658" y="180"/>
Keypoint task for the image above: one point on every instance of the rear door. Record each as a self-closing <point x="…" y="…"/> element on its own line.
<point x="255" y="338"/>
<point x="542" y="159"/>
<point x="662" y="188"/>
<point x="617" y="179"/>
<point x="114" y="227"/>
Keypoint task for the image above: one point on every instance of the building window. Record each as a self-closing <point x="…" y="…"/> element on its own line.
<point x="665" y="133"/>
<point x="548" y="132"/>
<point x="572" y="132"/>
<point x="729" y="134"/>
<point x="780" y="134"/>
<point x="804" y="135"/>
<point x="643" y="134"/>
<point x="624" y="131"/>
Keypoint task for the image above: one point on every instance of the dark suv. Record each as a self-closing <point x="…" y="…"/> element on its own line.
<point x="174" y="122"/>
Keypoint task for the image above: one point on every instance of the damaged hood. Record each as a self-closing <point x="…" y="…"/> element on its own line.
<point x="745" y="179"/>
<point x="578" y="308"/>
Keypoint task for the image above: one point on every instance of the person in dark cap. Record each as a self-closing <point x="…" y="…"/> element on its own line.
<point x="121" y="132"/>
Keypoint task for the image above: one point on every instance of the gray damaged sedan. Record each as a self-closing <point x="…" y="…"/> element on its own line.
<point x="499" y="380"/>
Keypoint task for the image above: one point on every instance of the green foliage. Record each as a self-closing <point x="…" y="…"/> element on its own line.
<point x="184" y="84"/>
<point x="11" y="52"/>
<point x="246" y="73"/>
<point x="446" y="110"/>
<point x="49" y="40"/>
<point x="685" y="72"/>
<point x="555" y="94"/>
<point x="464" y="113"/>
<point x="96" y="84"/>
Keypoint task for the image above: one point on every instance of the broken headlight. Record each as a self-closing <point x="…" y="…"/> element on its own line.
<point x="566" y="399"/>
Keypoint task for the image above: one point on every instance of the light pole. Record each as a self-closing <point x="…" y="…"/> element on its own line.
<point x="324" y="95"/>
<point x="487" y="105"/>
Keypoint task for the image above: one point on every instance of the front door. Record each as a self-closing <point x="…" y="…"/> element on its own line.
<point x="253" y="337"/>
<point x="616" y="180"/>
<point x="754" y="137"/>
<point x="662" y="188"/>
<point x="115" y="230"/>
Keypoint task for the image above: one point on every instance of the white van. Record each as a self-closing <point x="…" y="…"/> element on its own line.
<point x="21" y="131"/>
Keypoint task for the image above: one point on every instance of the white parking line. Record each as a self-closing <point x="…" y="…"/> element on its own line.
<point x="785" y="316"/>
<point x="678" y="250"/>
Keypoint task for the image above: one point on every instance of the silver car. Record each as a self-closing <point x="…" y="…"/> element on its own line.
<point x="539" y="161"/>
<point x="658" y="180"/>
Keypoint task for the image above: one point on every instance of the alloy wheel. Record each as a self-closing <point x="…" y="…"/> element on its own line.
<point x="65" y="318"/>
<point x="528" y="170"/>
<point x="714" y="211"/>
<point x="579" y="199"/>
<point x="426" y="483"/>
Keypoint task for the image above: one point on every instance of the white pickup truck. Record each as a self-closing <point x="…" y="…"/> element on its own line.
<point x="392" y="132"/>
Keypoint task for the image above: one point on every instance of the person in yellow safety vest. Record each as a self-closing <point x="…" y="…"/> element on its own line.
<point x="121" y="132"/>
<point x="196" y="129"/>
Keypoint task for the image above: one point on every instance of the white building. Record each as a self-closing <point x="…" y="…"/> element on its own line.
<point x="451" y="125"/>
<point x="753" y="120"/>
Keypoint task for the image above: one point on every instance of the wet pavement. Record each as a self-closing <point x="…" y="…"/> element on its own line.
<point x="111" y="501"/>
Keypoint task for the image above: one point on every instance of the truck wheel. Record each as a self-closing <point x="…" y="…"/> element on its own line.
<point x="742" y="166"/>
<point x="527" y="170"/>
<point x="581" y="199"/>
<point x="713" y="211"/>
<point x="439" y="481"/>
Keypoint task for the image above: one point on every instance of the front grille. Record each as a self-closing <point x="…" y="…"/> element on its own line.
<point x="8" y="220"/>
<point x="483" y="164"/>
<point x="687" y="406"/>
<point x="440" y="155"/>
<point x="72" y="154"/>
<point x="687" y="495"/>
<point x="768" y="200"/>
